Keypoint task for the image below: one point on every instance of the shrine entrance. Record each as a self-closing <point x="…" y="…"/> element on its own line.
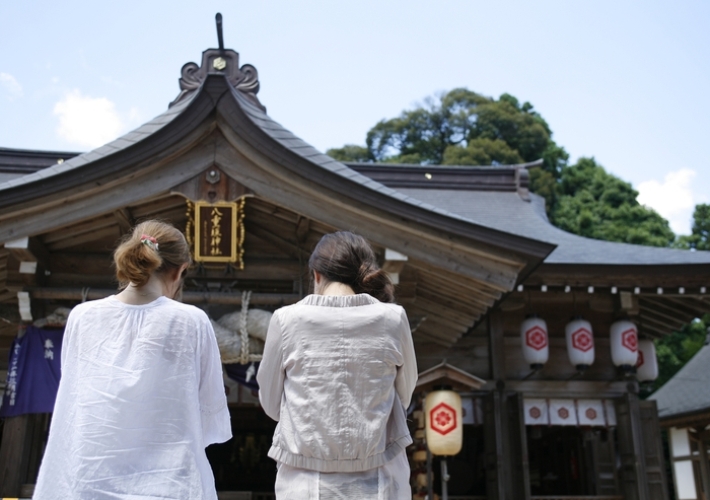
<point x="241" y="464"/>
<point x="571" y="461"/>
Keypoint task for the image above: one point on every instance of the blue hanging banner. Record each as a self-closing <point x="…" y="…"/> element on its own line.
<point x="243" y="374"/>
<point x="33" y="372"/>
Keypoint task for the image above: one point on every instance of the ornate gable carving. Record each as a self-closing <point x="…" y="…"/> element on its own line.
<point x="219" y="62"/>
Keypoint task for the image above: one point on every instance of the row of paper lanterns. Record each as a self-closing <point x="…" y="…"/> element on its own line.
<point x="443" y="409"/>
<point x="627" y="351"/>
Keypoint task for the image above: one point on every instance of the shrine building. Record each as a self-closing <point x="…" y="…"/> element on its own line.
<point x="539" y="324"/>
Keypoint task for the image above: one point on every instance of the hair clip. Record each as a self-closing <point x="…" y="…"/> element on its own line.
<point x="150" y="241"/>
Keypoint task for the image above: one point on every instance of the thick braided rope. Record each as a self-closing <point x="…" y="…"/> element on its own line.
<point x="244" y="357"/>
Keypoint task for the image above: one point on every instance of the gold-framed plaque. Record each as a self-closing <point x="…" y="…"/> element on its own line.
<point x="219" y="232"/>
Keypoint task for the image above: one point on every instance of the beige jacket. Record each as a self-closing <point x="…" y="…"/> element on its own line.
<point x="337" y="374"/>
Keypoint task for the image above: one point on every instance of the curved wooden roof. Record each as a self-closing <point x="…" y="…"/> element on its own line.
<point x="220" y="124"/>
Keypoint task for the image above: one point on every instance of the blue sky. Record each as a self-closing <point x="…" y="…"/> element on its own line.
<point x="625" y="82"/>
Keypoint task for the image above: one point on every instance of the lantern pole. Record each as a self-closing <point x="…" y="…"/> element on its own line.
<point x="429" y="475"/>
<point x="444" y="479"/>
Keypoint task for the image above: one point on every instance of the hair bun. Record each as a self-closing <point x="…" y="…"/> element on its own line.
<point x="136" y="261"/>
<point x="376" y="282"/>
<point x="153" y="246"/>
<point x="348" y="258"/>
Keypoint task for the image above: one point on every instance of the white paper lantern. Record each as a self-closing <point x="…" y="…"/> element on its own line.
<point x="536" y="347"/>
<point x="444" y="422"/>
<point x="624" y="344"/>
<point x="647" y="364"/>
<point x="580" y="343"/>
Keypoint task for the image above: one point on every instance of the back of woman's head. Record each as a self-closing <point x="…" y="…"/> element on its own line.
<point x="152" y="247"/>
<point x="348" y="258"/>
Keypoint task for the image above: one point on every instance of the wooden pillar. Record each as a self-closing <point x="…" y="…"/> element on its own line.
<point x="14" y="454"/>
<point x="495" y="453"/>
<point x="630" y="435"/>
<point x="704" y="446"/>
<point x="494" y="412"/>
<point x="507" y="471"/>
<point x="496" y="346"/>
<point x="516" y="449"/>
<point x="653" y="451"/>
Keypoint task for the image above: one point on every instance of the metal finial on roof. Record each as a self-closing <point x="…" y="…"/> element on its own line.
<point x="218" y="19"/>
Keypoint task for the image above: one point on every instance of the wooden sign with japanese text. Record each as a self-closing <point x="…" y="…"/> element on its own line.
<point x="219" y="232"/>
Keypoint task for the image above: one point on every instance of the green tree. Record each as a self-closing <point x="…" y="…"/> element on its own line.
<point x="699" y="238"/>
<point x="462" y="127"/>
<point x="350" y="153"/>
<point x="481" y="151"/>
<point x="675" y="350"/>
<point x="596" y="204"/>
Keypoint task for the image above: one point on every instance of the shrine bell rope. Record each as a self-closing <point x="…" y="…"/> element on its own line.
<point x="244" y="356"/>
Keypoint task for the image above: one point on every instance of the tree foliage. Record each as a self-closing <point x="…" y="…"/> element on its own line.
<point x="594" y="203"/>
<point x="675" y="350"/>
<point x="699" y="238"/>
<point x="459" y="127"/>
<point x="350" y="153"/>
<point x="462" y="127"/>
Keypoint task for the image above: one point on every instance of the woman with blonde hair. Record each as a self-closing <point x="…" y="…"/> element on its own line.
<point x="141" y="393"/>
<point x="337" y="374"/>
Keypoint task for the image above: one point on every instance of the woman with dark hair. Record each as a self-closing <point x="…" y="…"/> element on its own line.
<point x="337" y="374"/>
<point x="141" y="393"/>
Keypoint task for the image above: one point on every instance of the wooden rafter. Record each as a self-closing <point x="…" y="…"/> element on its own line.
<point x="682" y="306"/>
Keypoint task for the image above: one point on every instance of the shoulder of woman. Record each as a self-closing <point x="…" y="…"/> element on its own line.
<point x="286" y="310"/>
<point x="86" y="307"/>
<point x="394" y="309"/>
<point x="400" y="316"/>
<point x="188" y="310"/>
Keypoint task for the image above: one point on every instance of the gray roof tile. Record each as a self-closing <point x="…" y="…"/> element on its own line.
<point x="688" y="390"/>
<point x="507" y="211"/>
<point x="281" y="135"/>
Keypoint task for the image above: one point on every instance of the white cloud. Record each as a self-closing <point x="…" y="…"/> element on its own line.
<point x="87" y="121"/>
<point x="673" y="198"/>
<point x="11" y="86"/>
<point x="135" y="116"/>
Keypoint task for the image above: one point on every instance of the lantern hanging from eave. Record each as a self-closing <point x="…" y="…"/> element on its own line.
<point x="444" y="422"/>
<point x="534" y="338"/>
<point x="624" y="344"/>
<point x="647" y="363"/>
<point x="580" y="343"/>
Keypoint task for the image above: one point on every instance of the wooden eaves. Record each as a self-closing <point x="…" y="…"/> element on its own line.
<point x="220" y="126"/>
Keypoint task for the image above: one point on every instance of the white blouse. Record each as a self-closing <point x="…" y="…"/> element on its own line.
<point x="338" y="373"/>
<point x="141" y="396"/>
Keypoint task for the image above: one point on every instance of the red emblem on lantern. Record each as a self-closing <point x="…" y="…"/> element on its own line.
<point x="591" y="413"/>
<point x="535" y="412"/>
<point x="639" y="362"/>
<point x="563" y="413"/>
<point x="582" y="339"/>
<point x="442" y="418"/>
<point x="536" y="338"/>
<point x="629" y="339"/>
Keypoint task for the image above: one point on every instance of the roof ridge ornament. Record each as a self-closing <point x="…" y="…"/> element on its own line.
<point x="220" y="39"/>
<point x="219" y="61"/>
